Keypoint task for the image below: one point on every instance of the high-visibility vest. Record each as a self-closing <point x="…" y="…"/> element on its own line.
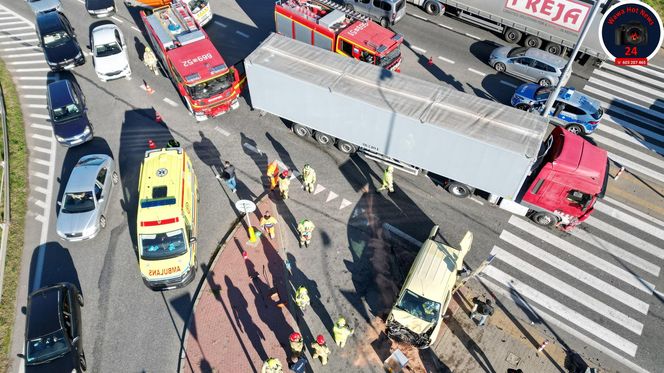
<point x="309" y="175"/>
<point x="341" y="333"/>
<point x="268" y="223"/>
<point x="284" y="183"/>
<point x="297" y="345"/>
<point x="272" y="168"/>
<point x="306" y="226"/>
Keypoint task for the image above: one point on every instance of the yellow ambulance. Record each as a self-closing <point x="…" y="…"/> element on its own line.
<point x="167" y="219"/>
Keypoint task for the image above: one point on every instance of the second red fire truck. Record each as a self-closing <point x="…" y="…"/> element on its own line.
<point x="328" y="25"/>
<point x="207" y="85"/>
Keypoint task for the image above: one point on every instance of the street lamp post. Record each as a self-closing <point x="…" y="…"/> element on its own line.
<point x="567" y="72"/>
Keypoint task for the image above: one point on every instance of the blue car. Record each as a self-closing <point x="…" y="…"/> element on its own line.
<point x="573" y="110"/>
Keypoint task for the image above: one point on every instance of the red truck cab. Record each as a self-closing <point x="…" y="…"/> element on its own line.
<point x="572" y="176"/>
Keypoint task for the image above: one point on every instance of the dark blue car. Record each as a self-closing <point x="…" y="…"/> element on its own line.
<point x="66" y="107"/>
<point x="573" y="110"/>
<point x="58" y="40"/>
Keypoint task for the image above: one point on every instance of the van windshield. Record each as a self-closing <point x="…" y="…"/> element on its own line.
<point x="419" y="307"/>
<point x="162" y="245"/>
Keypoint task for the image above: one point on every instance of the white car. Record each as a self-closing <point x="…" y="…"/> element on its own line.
<point x="42" y="6"/>
<point x="109" y="53"/>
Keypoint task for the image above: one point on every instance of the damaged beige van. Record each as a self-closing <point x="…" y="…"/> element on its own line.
<point x="417" y="316"/>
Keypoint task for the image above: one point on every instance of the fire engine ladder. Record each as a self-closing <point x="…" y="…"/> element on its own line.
<point x="350" y="13"/>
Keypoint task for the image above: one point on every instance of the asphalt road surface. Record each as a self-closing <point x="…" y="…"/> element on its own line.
<point x="595" y="289"/>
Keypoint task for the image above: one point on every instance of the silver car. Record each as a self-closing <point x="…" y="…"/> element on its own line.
<point x="40" y="6"/>
<point x="86" y="197"/>
<point x="528" y="63"/>
<point x="109" y="53"/>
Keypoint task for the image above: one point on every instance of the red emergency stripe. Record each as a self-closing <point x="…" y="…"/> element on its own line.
<point x="153" y="223"/>
<point x="184" y="159"/>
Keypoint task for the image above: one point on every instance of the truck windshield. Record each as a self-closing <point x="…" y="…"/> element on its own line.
<point x="197" y="5"/>
<point x="389" y="58"/>
<point x="162" y="245"/>
<point x="419" y="307"/>
<point x="46" y="347"/>
<point x="211" y="87"/>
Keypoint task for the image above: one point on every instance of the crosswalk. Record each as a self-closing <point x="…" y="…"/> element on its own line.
<point x="632" y="129"/>
<point x="596" y="283"/>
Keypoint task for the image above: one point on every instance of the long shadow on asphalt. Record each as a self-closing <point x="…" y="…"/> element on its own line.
<point x="472" y="346"/>
<point x="431" y="66"/>
<point x="282" y="152"/>
<point x="50" y="265"/>
<point x="208" y="153"/>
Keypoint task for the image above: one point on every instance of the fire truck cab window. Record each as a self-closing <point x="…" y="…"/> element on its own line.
<point x="284" y="25"/>
<point x="367" y="57"/>
<point x="322" y="41"/>
<point x="346" y="47"/>
<point x="302" y="33"/>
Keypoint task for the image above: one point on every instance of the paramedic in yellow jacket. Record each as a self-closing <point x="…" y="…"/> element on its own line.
<point x="267" y="224"/>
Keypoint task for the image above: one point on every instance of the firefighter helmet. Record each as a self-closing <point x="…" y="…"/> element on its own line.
<point x="341" y="322"/>
<point x="295" y="336"/>
<point x="320" y="339"/>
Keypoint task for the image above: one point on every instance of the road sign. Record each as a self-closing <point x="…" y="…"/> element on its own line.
<point x="245" y="206"/>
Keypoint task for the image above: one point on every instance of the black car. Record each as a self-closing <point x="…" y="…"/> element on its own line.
<point x="58" y="40"/>
<point x="66" y="108"/>
<point x="53" y="330"/>
<point x="100" y="8"/>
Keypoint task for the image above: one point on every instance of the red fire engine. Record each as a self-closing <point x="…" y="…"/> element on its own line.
<point x="331" y="26"/>
<point x="207" y="85"/>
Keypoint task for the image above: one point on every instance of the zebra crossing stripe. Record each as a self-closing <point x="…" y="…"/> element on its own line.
<point x="634" y="166"/>
<point x="568" y="329"/>
<point x="628" y="150"/>
<point x="562" y="287"/>
<point x="630" y="83"/>
<point x="630" y="209"/>
<point x="575" y="272"/>
<point x="587" y="257"/>
<point x="631" y="138"/>
<point x="558" y="308"/>
<point x="613" y="99"/>
<point x="631" y="126"/>
<point x="637" y="76"/>
<point x="626" y="237"/>
<point x="617" y="251"/>
<point x="629" y="219"/>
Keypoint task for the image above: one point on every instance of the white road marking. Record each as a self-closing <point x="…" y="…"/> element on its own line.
<point x="41" y="126"/>
<point x="418" y="49"/>
<point x="14" y="49"/>
<point x="630" y="125"/>
<point x="656" y="161"/>
<point x="562" y="287"/>
<point x="41" y="137"/>
<point x="37" y="106"/>
<point x="170" y="102"/>
<point x="10" y="23"/>
<point x="630" y="83"/>
<point x="650" y="100"/>
<point x="42" y="162"/>
<point x="476" y="72"/>
<point x="40" y="116"/>
<point x="629" y="219"/>
<point x="609" y="96"/>
<point x="252" y="148"/>
<point x="32" y="62"/>
<point x="135" y="28"/>
<point x="41" y="219"/>
<point x="41" y="150"/>
<point x="242" y="34"/>
<point x="445" y="26"/>
<point x="40" y="175"/>
<point x="345" y="203"/>
<point x="117" y="19"/>
<point x="635" y="166"/>
<point x="20" y="41"/>
<point x="16" y="28"/>
<point x="445" y="59"/>
<point x="220" y="23"/>
<point x="6" y="18"/>
<point x="17" y="35"/>
<point x="505" y="82"/>
<point x="648" y="70"/>
<point x="558" y="308"/>
<point x="222" y="131"/>
<point x="418" y="16"/>
<point x="476" y="200"/>
<point x="32" y="78"/>
<point x="571" y="330"/>
<point x="629" y="238"/>
<point x="400" y="233"/>
<point x="587" y="257"/>
<point x="575" y="272"/>
<point x="81" y="1"/>
<point x="636" y="76"/>
<point x="21" y="55"/>
<point x="331" y="196"/>
<point x="631" y="138"/>
<point x="319" y="188"/>
<point x="630" y="209"/>
<point x="32" y="70"/>
<point x="472" y="36"/>
<point x="36" y="97"/>
<point x="42" y="87"/>
<point x="617" y="251"/>
<point x="41" y="190"/>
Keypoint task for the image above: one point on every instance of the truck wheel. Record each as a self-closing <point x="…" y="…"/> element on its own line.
<point x="544" y="219"/>
<point x="384" y="22"/>
<point x="499" y="66"/>
<point x="79" y="298"/>
<point x="532" y="41"/>
<point x="553" y="48"/>
<point x="544" y="82"/>
<point x="576" y="129"/>
<point x="346" y="147"/>
<point x="458" y="190"/>
<point x="432" y="7"/>
<point x="512" y="35"/>
<point x="324" y="139"/>
<point x="301" y="130"/>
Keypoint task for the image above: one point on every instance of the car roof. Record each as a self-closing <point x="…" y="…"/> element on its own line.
<point x="49" y="21"/>
<point x="60" y="93"/>
<point x="547" y="57"/>
<point x="44" y="311"/>
<point x="83" y="176"/>
<point x="576" y="98"/>
<point x="104" y="34"/>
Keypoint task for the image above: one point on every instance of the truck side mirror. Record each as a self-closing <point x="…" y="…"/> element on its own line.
<point x="21" y="356"/>
<point x="192" y="240"/>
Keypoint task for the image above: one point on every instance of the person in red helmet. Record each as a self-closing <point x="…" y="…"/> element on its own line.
<point x="284" y="184"/>
<point x="296" y="344"/>
<point x="320" y="349"/>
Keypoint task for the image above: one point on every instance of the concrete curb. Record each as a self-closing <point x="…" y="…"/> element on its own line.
<point x="237" y="224"/>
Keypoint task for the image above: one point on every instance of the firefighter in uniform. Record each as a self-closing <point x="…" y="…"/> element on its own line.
<point x="306" y="228"/>
<point x="273" y="174"/>
<point x="388" y="180"/>
<point x="272" y="365"/>
<point x="267" y="224"/>
<point x="341" y="332"/>
<point x="309" y="178"/>
<point x="302" y="298"/>
<point x="296" y="344"/>
<point x="284" y="184"/>
<point x="320" y="349"/>
<point x="150" y="60"/>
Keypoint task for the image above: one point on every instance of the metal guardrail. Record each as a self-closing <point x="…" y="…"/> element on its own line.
<point x="4" y="189"/>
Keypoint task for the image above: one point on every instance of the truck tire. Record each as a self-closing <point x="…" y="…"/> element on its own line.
<point x="459" y="190"/>
<point x="512" y="36"/>
<point x="384" y="22"/>
<point x="544" y="219"/>
<point x="324" y="139"/>
<point x="500" y="67"/>
<point x="544" y="82"/>
<point x="553" y="48"/>
<point x="532" y="41"/>
<point x="346" y="147"/>
<point x="301" y="130"/>
<point x="432" y="7"/>
<point x="576" y="129"/>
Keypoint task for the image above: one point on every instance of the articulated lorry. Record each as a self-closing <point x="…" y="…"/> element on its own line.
<point x="528" y="166"/>
<point x="553" y="25"/>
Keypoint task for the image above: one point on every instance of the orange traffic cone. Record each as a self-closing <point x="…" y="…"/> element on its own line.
<point x="157" y="117"/>
<point x="430" y="60"/>
<point x="245" y="255"/>
<point x="151" y="144"/>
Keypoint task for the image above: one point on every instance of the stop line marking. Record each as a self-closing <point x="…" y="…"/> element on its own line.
<point x="445" y="59"/>
<point x="476" y="71"/>
<point x="418" y="49"/>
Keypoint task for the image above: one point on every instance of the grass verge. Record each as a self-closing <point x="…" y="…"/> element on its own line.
<point x="18" y="184"/>
<point x="658" y="5"/>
